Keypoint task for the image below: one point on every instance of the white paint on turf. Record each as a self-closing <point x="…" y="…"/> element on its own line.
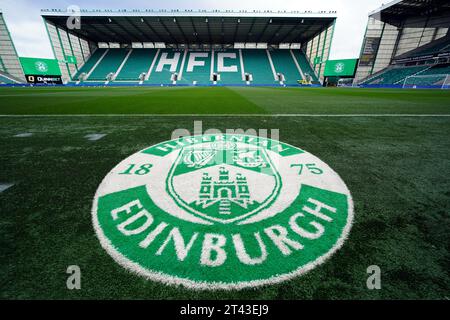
<point x="23" y="135"/>
<point x="307" y="115"/>
<point x="4" y="186"/>
<point x="94" y="136"/>
<point x="336" y="183"/>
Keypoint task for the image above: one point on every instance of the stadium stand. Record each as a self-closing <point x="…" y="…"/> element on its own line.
<point x="395" y="75"/>
<point x="137" y="63"/>
<point x="90" y="63"/>
<point x="232" y="73"/>
<point x="197" y="68"/>
<point x="110" y="63"/>
<point x="257" y="64"/>
<point x="434" y="76"/>
<point x="193" y="67"/>
<point x="284" y="64"/>
<point x="305" y="66"/>
<point x="167" y="64"/>
<point x="404" y="47"/>
<point x="152" y="47"/>
<point x="6" y="78"/>
<point x="10" y="66"/>
<point x="440" y="46"/>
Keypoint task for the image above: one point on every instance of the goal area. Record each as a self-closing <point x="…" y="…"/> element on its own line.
<point x="438" y="81"/>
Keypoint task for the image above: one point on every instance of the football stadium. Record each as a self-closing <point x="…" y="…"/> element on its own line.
<point x="186" y="154"/>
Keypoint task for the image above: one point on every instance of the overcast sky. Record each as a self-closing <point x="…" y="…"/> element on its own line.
<point x="31" y="40"/>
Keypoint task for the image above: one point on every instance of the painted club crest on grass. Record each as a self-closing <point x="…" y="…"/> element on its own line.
<point x="222" y="211"/>
<point x="223" y="182"/>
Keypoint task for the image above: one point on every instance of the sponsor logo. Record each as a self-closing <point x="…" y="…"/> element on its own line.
<point x="222" y="211"/>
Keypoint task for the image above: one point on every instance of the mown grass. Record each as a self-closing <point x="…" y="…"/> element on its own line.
<point x="221" y="100"/>
<point x="397" y="170"/>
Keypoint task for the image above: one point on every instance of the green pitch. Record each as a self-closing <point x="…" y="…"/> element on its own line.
<point x="395" y="165"/>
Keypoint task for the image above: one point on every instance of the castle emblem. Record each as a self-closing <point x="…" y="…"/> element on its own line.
<point x="224" y="191"/>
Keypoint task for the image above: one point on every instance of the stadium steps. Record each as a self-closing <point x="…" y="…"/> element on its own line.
<point x="124" y="61"/>
<point x="6" y="78"/>
<point x="433" y="48"/>
<point x="256" y="62"/>
<point x="90" y="63"/>
<point x="230" y="78"/>
<point x="163" y="75"/>
<point x="433" y="76"/>
<point x="394" y="75"/>
<point x="109" y="64"/>
<point x="200" y="74"/>
<point x="284" y="64"/>
<point x="138" y="62"/>
<point x="415" y="74"/>
<point x="305" y="65"/>
<point x="368" y="79"/>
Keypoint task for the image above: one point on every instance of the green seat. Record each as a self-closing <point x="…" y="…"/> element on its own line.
<point x="200" y="74"/>
<point x="139" y="61"/>
<point x="229" y="78"/>
<point x="90" y="63"/>
<point x="109" y="64"/>
<point x="257" y="63"/>
<point x="305" y="65"/>
<point x="284" y="64"/>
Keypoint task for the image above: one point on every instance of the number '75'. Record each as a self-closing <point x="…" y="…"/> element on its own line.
<point x="310" y="166"/>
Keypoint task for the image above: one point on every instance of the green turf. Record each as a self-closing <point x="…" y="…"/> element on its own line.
<point x="397" y="169"/>
<point x="220" y="100"/>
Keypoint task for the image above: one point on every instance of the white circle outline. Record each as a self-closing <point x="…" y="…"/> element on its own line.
<point x="215" y="285"/>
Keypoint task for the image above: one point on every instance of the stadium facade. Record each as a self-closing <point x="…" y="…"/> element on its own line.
<point x="189" y="47"/>
<point x="10" y="68"/>
<point x="407" y="44"/>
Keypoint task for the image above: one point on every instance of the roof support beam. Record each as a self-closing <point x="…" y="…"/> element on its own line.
<point x="250" y="30"/>
<point x="125" y="31"/>
<point x="289" y="32"/>
<point x="114" y="34"/>
<point x="99" y="34"/>
<point x="144" y="37"/>
<point x="173" y="40"/>
<point x="264" y="30"/>
<point x="209" y="31"/>
<point x="182" y="32"/>
<point x="236" y="31"/>
<point x="158" y="36"/>
<point x="275" y="33"/>
<point x="195" y="29"/>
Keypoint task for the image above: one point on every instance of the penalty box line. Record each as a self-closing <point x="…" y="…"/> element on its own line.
<point x="262" y="115"/>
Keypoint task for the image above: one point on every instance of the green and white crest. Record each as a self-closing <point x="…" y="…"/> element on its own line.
<point x="223" y="181"/>
<point x="339" y="67"/>
<point x="222" y="212"/>
<point x="41" y="66"/>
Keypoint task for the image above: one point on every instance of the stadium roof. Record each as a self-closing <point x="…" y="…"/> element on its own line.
<point x="189" y="26"/>
<point x="403" y="9"/>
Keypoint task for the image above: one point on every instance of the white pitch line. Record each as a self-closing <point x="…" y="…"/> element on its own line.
<point x="94" y="136"/>
<point x="4" y="186"/>
<point x="23" y="135"/>
<point x="223" y="115"/>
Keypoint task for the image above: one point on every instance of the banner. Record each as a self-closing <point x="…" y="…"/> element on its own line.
<point x="38" y="79"/>
<point x="370" y="50"/>
<point x="340" y="68"/>
<point x="71" y="60"/>
<point x="38" y="66"/>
